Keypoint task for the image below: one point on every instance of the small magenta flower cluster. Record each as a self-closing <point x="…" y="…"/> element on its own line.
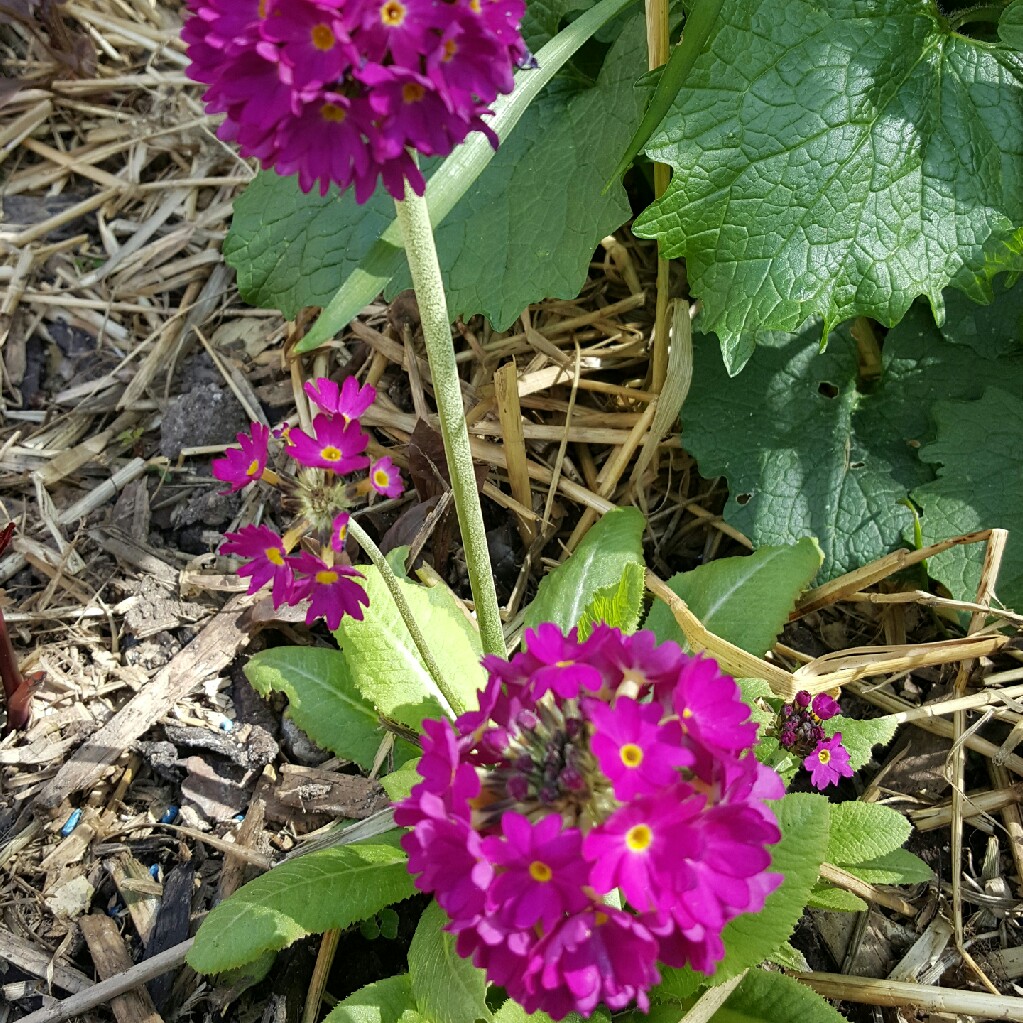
<point x="320" y="496"/>
<point x="800" y="730"/>
<point x="340" y="90"/>
<point x="601" y="811"/>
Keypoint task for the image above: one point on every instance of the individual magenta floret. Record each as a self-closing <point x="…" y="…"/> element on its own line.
<point x="242" y="465"/>
<point x="580" y="775"/>
<point x="335" y="444"/>
<point x="385" y="478"/>
<point x="339" y="91"/>
<point x="828" y="762"/>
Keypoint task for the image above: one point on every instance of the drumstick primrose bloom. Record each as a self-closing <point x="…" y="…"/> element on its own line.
<point x="319" y="494"/>
<point x="340" y="91"/>
<point x="595" y="767"/>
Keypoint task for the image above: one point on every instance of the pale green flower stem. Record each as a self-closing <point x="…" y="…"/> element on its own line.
<point x="455" y="704"/>
<point x="414" y="219"/>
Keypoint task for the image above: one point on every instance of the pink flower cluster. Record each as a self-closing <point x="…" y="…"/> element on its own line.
<point x="592" y="768"/>
<point x="800" y="730"/>
<point x="321" y="496"/>
<point x="340" y="90"/>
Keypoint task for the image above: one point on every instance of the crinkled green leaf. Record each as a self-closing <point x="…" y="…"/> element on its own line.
<point x="899" y="866"/>
<point x="614" y="541"/>
<point x="789" y="958"/>
<point x="529" y="223"/>
<point x="836" y="160"/>
<point x="446" y="987"/>
<point x="322" y="699"/>
<point x="746" y="600"/>
<point x="1010" y="25"/>
<point x="808" y="453"/>
<point x="618" y="605"/>
<point x="386" y="1001"/>
<point x="990" y="330"/>
<point x="751" y="938"/>
<point x="861" y="735"/>
<point x="864" y="831"/>
<point x="331" y="888"/>
<point x="398" y="784"/>
<point x="385" y="665"/>
<point x="512" y="1012"/>
<point x="979" y="454"/>
<point x="826" y="896"/>
<point x="766" y="997"/>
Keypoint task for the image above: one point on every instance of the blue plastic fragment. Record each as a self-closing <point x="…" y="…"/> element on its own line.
<point x="226" y="724"/>
<point x="239" y="818"/>
<point x="71" y="823"/>
<point x="168" y="817"/>
<point x="154" y="871"/>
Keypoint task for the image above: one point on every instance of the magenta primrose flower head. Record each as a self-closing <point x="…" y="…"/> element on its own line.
<point x="308" y="564"/>
<point x="340" y="91"/>
<point x="800" y="730"/>
<point x="611" y="764"/>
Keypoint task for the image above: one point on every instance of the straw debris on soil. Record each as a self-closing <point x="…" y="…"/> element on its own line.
<point x="152" y="781"/>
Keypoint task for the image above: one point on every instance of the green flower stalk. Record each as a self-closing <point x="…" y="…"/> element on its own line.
<point x="414" y="219"/>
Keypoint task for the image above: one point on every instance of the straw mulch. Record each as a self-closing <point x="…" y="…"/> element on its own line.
<point x="129" y="361"/>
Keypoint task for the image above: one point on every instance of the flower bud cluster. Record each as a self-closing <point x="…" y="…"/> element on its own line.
<point x="601" y="811"/>
<point x="340" y="90"/>
<point x="319" y="494"/>
<point x="800" y="730"/>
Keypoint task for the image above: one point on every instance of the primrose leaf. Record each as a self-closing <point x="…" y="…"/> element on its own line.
<point x="765" y="996"/>
<point x="385" y="665"/>
<point x="386" y="1001"/>
<point x="899" y="866"/>
<point x="331" y="888"/>
<point x="1010" y="25"/>
<point x="322" y="699"/>
<point x="614" y="541"/>
<point x="826" y="896"/>
<point x="529" y="223"/>
<point x="864" y="831"/>
<point x="446" y="987"/>
<point x="745" y="600"/>
<point x="980" y="485"/>
<point x="810" y="450"/>
<point x="512" y="1012"/>
<point x="838" y="160"/>
<point x="751" y="938"/>
<point x="398" y="784"/>
<point x="861" y="735"/>
<point x="618" y="605"/>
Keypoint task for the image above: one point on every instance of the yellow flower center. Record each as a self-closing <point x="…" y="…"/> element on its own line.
<point x="274" y="555"/>
<point x="563" y="664"/>
<point x="326" y="576"/>
<point x="253" y="467"/>
<point x="539" y="871"/>
<point x="392" y="13"/>
<point x="380" y="478"/>
<point x="687" y="714"/>
<point x="412" y="92"/>
<point x="824" y="756"/>
<point x="639" y="837"/>
<point x="334" y="114"/>
<point x="322" y="37"/>
<point x="475" y="6"/>
<point x="330" y="454"/>
<point x="631" y="754"/>
<point x="261" y="9"/>
<point x="450" y="49"/>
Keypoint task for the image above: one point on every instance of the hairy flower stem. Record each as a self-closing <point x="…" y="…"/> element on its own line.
<point x="414" y="218"/>
<point x="455" y="703"/>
